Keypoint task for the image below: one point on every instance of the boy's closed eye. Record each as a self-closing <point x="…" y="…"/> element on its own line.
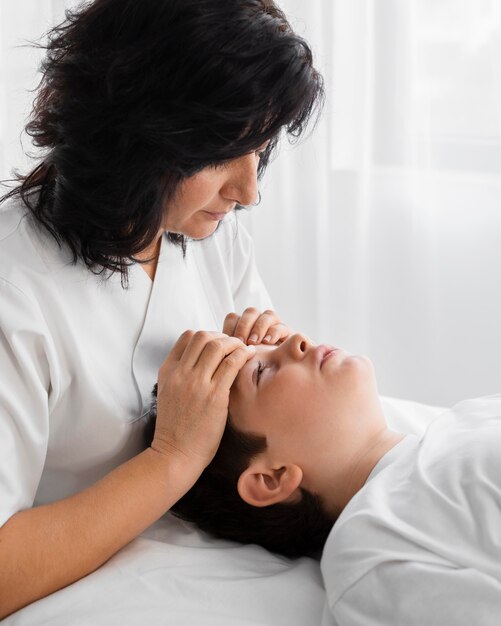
<point x="256" y="376"/>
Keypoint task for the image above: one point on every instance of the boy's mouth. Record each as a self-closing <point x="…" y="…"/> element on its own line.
<point x="324" y="352"/>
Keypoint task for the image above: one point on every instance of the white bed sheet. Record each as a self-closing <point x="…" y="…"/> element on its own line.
<point x="175" y="575"/>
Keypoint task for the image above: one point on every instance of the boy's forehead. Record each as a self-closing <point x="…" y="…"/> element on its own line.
<point x="260" y="348"/>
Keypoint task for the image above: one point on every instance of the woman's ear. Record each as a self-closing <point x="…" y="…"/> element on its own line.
<point x="261" y="486"/>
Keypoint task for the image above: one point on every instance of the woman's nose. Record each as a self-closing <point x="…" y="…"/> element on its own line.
<point x="241" y="184"/>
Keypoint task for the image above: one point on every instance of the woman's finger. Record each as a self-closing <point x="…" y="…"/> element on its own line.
<point x="180" y="346"/>
<point x="245" y="323"/>
<point x="230" y="323"/>
<point x="260" y="329"/>
<point x="213" y="354"/>
<point x="229" y="367"/>
<point x="196" y="346"/>
<point x="276" y="333"/>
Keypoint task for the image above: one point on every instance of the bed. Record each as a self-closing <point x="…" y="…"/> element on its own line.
<point x="175" y="575"/>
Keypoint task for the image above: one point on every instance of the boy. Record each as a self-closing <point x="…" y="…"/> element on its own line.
<point x="416" y="538"/>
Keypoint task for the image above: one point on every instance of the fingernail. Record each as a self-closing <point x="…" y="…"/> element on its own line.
<point x="251" y="348"/>
<point x="253" y="338"/>
<point x="267" y="338"/>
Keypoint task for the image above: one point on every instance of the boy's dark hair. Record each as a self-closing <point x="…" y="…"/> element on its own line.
<point x="214" y="504"/>
<point x="137" y="96"/>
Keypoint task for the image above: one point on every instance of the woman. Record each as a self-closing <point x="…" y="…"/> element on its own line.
<point x="156" y="120"/>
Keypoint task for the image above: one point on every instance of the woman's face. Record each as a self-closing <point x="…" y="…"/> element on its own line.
<point x="205" y="198"/>
<point x="314" y="404"/>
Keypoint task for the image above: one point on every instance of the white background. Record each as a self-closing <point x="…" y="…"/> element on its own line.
<point x="381" y="232"/>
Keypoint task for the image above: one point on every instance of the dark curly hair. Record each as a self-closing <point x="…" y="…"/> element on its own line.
<point x="137" y="96"/>
<point x="214" y="504"/>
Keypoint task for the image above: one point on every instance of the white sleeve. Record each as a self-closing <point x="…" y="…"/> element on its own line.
<point x="248" y="286"/>
<point x="24" y="401"/>
<point x="414" y="593"/>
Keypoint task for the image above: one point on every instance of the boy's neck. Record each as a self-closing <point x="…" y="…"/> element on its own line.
<point x="336" y="499"/>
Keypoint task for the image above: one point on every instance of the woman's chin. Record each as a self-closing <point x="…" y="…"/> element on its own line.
<point x="194" y="232"/>
<point x="202" y="231"/>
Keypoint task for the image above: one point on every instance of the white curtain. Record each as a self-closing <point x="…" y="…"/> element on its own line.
<point x="381" y="232"/>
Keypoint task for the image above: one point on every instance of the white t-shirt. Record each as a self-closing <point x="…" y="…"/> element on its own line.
<point x="79" y="354"/>
<point x="420" y="543"/>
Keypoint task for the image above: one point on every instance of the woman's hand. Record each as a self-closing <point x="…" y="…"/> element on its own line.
<point x="253" y="327"/>
<point x="193" y="394"/>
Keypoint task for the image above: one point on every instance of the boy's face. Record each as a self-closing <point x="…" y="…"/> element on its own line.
<point x="316" y="407"/>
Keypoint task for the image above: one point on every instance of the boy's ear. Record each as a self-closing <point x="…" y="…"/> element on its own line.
<point x="259" y="485"/>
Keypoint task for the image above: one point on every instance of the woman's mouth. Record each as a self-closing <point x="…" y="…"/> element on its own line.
<point x="219" y="215"/>
<point x="216" y="216"/>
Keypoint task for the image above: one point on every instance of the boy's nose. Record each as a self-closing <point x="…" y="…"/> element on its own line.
<point x="296" y="345"/>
